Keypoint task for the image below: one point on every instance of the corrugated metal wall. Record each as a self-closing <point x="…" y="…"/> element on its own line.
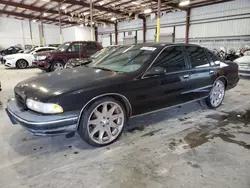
<point x="211" y="26"/>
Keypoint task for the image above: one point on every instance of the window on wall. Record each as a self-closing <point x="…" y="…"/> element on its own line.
<point x="171" y="59"/>
<point x="197" y="57"/>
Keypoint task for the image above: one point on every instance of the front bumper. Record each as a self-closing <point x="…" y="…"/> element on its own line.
<point x="41" y="64"/>
<point x="39" y="124"/>
<point x="10" y="62"/>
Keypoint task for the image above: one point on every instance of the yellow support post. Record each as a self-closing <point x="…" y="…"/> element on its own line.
<point x="158" y="30"/>
<point x="61" y="39"/>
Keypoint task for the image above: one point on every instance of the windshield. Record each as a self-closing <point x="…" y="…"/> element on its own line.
<point x="63" y="47"/>
<point x="103" y="52"/>
<point x="124" y="59"/>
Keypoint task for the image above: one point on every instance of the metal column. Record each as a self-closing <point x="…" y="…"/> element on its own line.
<point x="91" y="21"/>
<point x="158" y="21"/>
<point x="116" y="34"/>
<point x="187" y="25"/>
<point x="31" y="36"/>
<point x="144" y="29"/>
<point x="42" y="31"/>
<point x="60" y="23"/>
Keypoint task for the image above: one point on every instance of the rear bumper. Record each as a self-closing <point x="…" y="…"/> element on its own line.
<point x="39" y="124"/>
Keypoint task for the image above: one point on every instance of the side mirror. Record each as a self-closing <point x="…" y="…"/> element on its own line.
<point x="155" y="71"/>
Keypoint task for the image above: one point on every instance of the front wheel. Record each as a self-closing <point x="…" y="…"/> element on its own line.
<point x="217" y="94"/>
<point x="22" y="64"/>
<point x="102" y="123"/>
<point x="56" y="66"/>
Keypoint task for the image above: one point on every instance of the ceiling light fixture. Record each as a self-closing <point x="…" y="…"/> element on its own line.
<point x="113" y="19"/>
<point x="147" y="11"/>
<point x="81" y="25"/>
<point x="135" y="3"/>
<point x="33" y="21"/>
<point x="45" y="14"/>
<point x="63" y="7"/>
<point x="184" y="2"/>
<point x="101" y="3"/>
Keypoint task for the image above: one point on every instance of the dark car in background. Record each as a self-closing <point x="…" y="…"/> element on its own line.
<point x="98" y="99"/>
<point x="76" y="62"/>
<point x="56" y="60"/>
<point x="9" y="51"/>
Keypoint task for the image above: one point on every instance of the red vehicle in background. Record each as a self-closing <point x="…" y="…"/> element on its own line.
<point x="55" y="60"/>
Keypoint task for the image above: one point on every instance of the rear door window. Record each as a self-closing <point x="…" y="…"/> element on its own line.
<point x="197" y="56"/>
<point x="76" y="47"/>
<point x="171" y="59"/>
<point x="215" y="60"/>
<point x="91" y="46"/>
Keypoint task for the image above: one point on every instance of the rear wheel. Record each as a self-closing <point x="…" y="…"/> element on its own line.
<point x="102" y="123"/>
<point x="217" y="94"/>
<point x="22" y="64"/>
<point x="57" y="65"/>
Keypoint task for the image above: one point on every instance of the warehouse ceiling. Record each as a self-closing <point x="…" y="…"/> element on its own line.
<point x="78" y="11"/>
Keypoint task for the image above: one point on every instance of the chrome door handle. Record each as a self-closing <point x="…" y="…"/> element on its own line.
<point x="211" y="72"/>
<point x="186" y="76"/>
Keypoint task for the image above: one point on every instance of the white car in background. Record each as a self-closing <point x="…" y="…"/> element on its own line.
<point x="24" y="60"/>
<point x="244" y="64"/>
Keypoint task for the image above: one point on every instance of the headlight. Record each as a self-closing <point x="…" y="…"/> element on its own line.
<point x="46" y="108"/>
<point x="43" y="57"/>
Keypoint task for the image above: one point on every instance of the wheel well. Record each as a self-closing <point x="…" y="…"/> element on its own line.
<point x="224" y="80"/>
<point x="123" y="100"/>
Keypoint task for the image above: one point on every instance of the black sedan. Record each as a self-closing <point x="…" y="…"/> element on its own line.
<point x="97" y="101"/>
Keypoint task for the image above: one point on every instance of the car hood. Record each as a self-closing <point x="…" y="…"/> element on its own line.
<point x="50" y="53"/>
<point x="244" y="59"/>
<point x="19" y="55"/>
<point x="49" y="85"/>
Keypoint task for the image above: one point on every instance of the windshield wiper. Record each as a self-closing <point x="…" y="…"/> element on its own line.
<point x="102" y="68"/>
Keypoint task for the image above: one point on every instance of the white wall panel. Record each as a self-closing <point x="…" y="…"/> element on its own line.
<point x="68" y="34"/>
<point x="130" y="25"/>
<point x="52" y="34"/>
<point x="139" y="36"/>
<point x="166" y="30"/>
<point x="105" y="40"/>
<point x="223" y="28"/>
<point x="113" y="39"/>
<point x="120" y="38"/>
<point x="82" y="33"/>
<point x="150" y="35"/>
<point x="180" y="31"/>
<point x="222" y="9"/>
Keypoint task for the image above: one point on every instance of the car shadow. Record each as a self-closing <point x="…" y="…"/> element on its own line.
<point x="25" y="144"/>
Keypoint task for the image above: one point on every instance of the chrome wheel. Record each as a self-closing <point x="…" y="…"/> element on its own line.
<point x="58" y="66"/>
<point x="105" y="122"/>
<point x="217" y="93"/>
<point x="22" y="64"/>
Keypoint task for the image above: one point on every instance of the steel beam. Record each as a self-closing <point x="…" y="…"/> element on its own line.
<point x="187" y="25"/>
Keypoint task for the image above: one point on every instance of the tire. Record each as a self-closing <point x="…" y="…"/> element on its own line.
<point x="57" y="65"/>
<point x="97" y="134"/>
<point x="22" y="64"/>
<point x="216" y="95"/>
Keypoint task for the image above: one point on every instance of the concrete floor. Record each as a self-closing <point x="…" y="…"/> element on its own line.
<point x="190" y="146"/>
